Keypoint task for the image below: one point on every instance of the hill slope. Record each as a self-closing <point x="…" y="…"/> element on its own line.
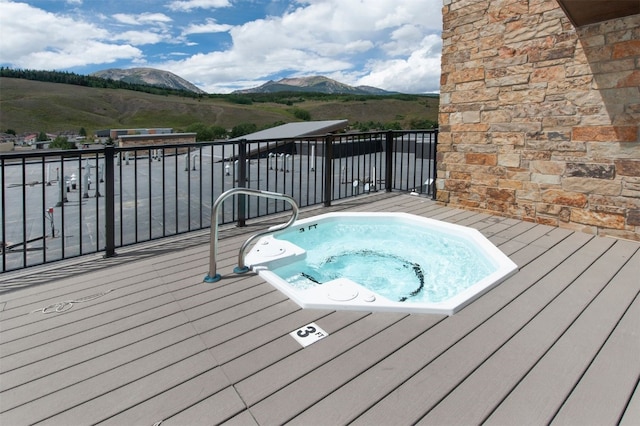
<point x="33" y="106"/>
<point x="150" y="76"/>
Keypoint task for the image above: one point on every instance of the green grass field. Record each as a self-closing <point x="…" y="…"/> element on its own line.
<point x="34" y="106"/>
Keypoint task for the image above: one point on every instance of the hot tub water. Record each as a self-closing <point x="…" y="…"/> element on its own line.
<point x="380" y="261"/>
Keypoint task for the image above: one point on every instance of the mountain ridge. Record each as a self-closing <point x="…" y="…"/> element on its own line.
<point x="168" y="80"/>
<point x="316" y="83"/>
<point x="149" y="76"/>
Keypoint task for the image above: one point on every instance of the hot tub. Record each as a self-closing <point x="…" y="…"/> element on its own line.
<point x="380" y="262"/>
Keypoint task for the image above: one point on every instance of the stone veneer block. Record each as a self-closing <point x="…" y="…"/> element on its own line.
<point x="592" y="186"/>
<point x="541" y="120"/>
<point x="604" y="220"/>
<point x="564" y="198"/>
<point x="633" y="218"/>
<point x="606" y="133"/>
<point x="481" y="158"/>
<point x="590" y="170"/>
<point x="625" y="49"/>
<point x="627" y="167"/>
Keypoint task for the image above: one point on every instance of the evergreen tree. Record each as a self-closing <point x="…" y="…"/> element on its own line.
<point x="243" y="129"/>
<point x="62" y="142"/>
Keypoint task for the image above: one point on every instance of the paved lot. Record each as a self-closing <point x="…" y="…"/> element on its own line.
<point x="160" y="197"/>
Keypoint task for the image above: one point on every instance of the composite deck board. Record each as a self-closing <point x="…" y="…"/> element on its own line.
<point x="212" y="386"/>
<point x="265" y="356"/>
<point x="368" y="389"/>
<point x="267" y="313"/>
<point x="108" y="404"/>
<point x="541" y="393"/>
<point x="40" y="328"/>
<point x="296" y="397"/>
<point x="71" y="290"/>
<point x="632" y="412"/>
<point x="472" y="220"/>
<point x="507" y="362"/>
<point x="265" y="382"/>
<point x="242" y="419"/>
<point x="223" y="304"/>
<point x="80" y="288"/>
<point x="266" y="332"/>
<point x="462" y="358"/>
<point x="150" y="310"/>
<point x="35" y="321"/>
<point x="53" y="374"/>
<point x="498" y="374"/>
<point x="557" y="341"/>
<point x="505" y="239"/>
<point x="130" y="374"/>
<point x="459" y="216"/>
<point x="607" y="385"/>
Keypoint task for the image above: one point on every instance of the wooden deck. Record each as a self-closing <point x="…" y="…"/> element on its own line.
<point x="559" y="342"/>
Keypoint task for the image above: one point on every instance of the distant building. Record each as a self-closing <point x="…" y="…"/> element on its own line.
<point x="104" y="135"/>
<point x="157" y="139"/>
<point x="116" y="133"/>
<point x="6" y="146"/>
<point x="30" y="138"/>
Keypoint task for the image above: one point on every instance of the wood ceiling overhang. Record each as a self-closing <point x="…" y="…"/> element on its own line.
<point x="585" y="12"/>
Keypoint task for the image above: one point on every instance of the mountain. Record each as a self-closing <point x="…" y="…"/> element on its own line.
<point x="150" y="76"/>
<point x="318" y="84"/>
<point x="30" y="106"/>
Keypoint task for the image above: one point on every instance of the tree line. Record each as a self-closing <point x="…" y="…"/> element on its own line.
<point x="208" y="133"/>
<point x="91" y="81"/>
<point x="286" y="98"/>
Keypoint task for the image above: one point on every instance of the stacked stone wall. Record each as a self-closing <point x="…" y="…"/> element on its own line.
<point x="540" y="120"/>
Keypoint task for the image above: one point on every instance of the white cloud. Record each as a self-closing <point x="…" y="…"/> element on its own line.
<point x="210" y="26"/>
<point x="403" y="40"/>
<point x="330" y="37"/>
<point x="49" y="41"/>
<point x="156" y="29"/>
<point x="77" y="55"/>
<point x="188" y="5"/>
<point x="391" y="44"/>
<point x="142" y="19"/>
<point x="139" y="38"/>
<point x="419" y="73"/>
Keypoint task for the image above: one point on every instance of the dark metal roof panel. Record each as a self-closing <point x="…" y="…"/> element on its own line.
<point x="298" y="129"/>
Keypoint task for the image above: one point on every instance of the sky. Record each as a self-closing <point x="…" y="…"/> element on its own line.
<point x="226" y="45"/>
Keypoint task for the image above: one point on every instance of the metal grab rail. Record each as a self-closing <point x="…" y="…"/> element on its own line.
<point x="213" y="276"/>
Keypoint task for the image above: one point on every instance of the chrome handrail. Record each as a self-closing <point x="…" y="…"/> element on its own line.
<point x="213" y="276"/>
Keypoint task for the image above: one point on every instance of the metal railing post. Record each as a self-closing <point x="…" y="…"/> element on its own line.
<point x="388" y="179"/>
<point x="434" y="172"/>
<point x="3" y="211"/>
<point x="109" y="201"/>
<point x="242" y="182"/>
<point x="328" y="170"/>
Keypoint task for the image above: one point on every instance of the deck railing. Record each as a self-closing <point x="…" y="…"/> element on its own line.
<point x="61" y="204"/>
